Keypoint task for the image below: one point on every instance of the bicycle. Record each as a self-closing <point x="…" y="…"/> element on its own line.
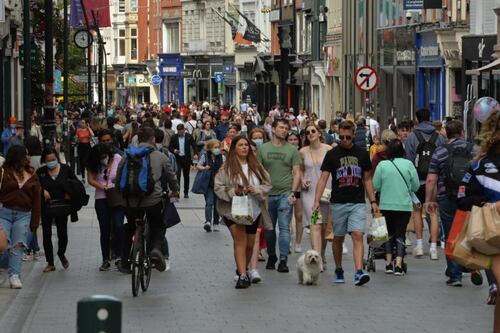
<point x="139" y="258"/>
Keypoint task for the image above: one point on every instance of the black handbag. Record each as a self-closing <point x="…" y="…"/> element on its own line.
<point x="59" y="208"/>
<point x="170" y="215"/>
<point x="114" y="198"/>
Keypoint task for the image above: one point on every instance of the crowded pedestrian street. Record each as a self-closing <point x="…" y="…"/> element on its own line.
<point x="198" y="295"/>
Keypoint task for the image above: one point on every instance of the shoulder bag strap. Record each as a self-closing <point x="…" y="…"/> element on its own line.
<point x="419" y="136"/>
<point x="401" y="174"/>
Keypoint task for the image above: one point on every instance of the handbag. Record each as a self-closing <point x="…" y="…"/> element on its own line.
<point x="59" y="208"/>
<point x="114" y="197"/>
<point x="202" y="180"/>
<point x="465" y="255"/>
<point x="170" y="215"/>
<point x="327" y="193"/>
<point x="456" y="229"/>
<point x="477" y="230"/>
<point x="241" y="210"/>
<point x="377" y="231"/>
<point x="413" y="196"/>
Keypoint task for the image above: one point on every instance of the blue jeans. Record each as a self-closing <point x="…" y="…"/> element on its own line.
<point x="16" y="225"/>
<point x="280" y="211"/>
<point x="447" y="209"/>
<point x="33" y="242"/>
<point x="210" y="207"/>
<point x="107" y="216"/>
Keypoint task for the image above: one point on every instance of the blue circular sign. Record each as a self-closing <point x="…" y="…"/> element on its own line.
<point x="155" y="80"/>
<point x="219" y="77"/>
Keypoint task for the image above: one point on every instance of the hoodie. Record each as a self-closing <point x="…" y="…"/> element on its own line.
<point x="426" y="129"/>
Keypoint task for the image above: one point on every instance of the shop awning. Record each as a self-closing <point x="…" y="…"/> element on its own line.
<point x="492" y="65"/>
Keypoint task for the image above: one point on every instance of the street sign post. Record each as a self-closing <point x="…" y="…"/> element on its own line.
<point x="366" y="79"/>
<point x="155" y="80"/>
<point x="219" y="77"/>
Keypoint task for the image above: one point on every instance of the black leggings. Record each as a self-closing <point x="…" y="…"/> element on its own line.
<point x="83" y="156"/>
<point x="62" y="237"/>
<point x="397" y="222"/>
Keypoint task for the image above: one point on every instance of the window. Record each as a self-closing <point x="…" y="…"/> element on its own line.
<point x="133" y="5"/>
<point x="121" y="42"/>
<point x="133" y="44"/>
<point x="171" y="38"/>
<point x="121" y="6"/>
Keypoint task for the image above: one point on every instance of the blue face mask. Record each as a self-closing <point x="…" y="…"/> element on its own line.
<point x="216" y="151"/>
<point x="258" y="142"/>
<point x="159" y="146"/>
<point x="110" y="113"/>
<point x="52" y="164"/>
<point x="13" y="126"/>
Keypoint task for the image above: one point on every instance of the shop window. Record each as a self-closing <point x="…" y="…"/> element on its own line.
<point x="133" y="44"/>
<point x="121" y="43"/>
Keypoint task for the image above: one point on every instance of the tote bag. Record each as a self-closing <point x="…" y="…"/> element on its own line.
<point x="201" y="181"/>
<point x="241" y="210"/>
<point x="377" y="231"/>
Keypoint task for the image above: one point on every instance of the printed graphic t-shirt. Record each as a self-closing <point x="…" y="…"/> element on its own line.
<point x="279" y="162"/>
<point x="346" y="167"/>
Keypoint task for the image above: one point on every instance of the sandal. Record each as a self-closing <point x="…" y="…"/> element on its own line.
<point x="49" y="268"/>
<point x="261" y="257"/>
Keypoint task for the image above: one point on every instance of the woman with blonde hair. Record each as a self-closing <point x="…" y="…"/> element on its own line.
<point x="480" y="187"/>
<point x="211" y="160"/>
<point x="241" y="175"/>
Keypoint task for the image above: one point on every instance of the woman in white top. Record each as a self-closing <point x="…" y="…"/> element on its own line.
<point x="312" y="154"/>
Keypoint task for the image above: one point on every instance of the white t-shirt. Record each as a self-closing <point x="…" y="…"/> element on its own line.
<point x="190" y="126"/>
<point x="374" y="127"/>
<point x="254" y="181"/>
<point x="175" y="122"/>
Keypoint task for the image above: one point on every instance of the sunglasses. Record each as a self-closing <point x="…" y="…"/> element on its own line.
<point x="345" y="137"/>
<point x="311" y="132"/>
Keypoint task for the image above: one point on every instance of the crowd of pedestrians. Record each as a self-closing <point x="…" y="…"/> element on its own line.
<point x="299" y="174"/>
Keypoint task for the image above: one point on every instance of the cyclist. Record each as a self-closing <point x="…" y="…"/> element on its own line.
<point x="151" y="205"/>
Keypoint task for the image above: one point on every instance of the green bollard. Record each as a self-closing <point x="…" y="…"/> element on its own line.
<point x="99" y="314"/>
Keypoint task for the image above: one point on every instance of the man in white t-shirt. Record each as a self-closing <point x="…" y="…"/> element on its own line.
<point x="374" y="126"/>
<point x="176" y="121"/>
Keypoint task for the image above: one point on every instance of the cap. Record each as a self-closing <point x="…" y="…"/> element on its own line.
<point x="12" y="120"/>
<point x="20" y="124"/>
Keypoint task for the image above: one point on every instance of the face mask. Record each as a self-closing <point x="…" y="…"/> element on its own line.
<point x="105" y="161"/>
<point x="258" y="142"/>
<point x="159" y="146"/>
<point x="216" y="151"/>
<point x="52" y="164"/>
<point x="13" y="126"/>
<point x="110" y="113"/>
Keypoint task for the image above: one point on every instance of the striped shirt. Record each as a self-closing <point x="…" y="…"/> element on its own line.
<point x="438" y="165"/>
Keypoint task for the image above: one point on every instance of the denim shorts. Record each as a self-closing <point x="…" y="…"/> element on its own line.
<point x="348" y="217"/>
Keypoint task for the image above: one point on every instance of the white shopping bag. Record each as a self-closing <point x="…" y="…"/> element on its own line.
<point x="241" y="210"/>
<point x="377" y="231"/>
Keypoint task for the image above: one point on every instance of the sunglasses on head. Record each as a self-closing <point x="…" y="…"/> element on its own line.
<point x="311" y="132"/>
<point x="345" y="137"/>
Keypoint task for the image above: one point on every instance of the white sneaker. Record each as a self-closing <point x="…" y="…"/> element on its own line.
<point x="308" y="231"/>
<point x="39" y="256"/>
<point x="215" y="227"/>
<point x="167" y="265"/>
<point x="26" y="257"/>
<point x="344" y="249"/>
<point x="3" y="276"/>
<point x="15" y="282"/>
<point x="407" y="242"/>
<point x="255" y="276"/>
<point x="298" y="248"/>
<point x="418" y="251"/>
<point x="434" y="254"/>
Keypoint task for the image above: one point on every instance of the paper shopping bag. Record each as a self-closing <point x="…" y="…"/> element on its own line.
<point x="241" y="210"/>
<point x="491" y="224"/>
<point x="456" y="229"/>
<point x="465" y="255"/>
<point x="476" y="233"/>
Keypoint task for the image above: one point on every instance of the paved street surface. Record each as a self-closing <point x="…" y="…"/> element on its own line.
<point x="198" y="294"/>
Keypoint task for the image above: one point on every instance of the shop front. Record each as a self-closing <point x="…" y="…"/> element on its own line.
<point x="431" y="76"/>
<point x="138" y="88"/>
<point x="172" y="85"/>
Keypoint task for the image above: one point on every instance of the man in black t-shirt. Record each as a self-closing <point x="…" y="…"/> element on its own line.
<point x="350" y="168"/>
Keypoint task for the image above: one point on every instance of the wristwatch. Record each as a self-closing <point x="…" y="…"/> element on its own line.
<point x="296" y="195"/>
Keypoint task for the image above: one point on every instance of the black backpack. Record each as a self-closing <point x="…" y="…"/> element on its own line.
<point x="459" y="159"/>
<point x="425" y="149"/>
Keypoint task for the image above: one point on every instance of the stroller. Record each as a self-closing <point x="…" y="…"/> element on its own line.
<point x="375" y="253"/>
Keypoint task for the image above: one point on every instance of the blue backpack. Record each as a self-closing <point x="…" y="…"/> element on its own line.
<point x="136" y="179"/>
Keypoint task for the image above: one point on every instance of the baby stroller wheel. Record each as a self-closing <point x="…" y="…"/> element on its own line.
<point x="371" y="267"/>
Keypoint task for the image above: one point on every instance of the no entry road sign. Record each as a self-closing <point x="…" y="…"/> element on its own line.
<point x="366" y="78"/>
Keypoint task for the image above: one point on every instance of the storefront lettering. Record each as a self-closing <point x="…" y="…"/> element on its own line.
<point x="429" y="51"/>
<point x="169" y="69"/>
<point x="406" y="55"/>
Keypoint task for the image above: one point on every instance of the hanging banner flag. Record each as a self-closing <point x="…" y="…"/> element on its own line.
<point x="76" y="15"/>
<point x="250" y="32"/>
<point x="101" y="12"/>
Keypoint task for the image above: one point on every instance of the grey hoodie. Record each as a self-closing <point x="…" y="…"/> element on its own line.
<point x="426" y="129"/>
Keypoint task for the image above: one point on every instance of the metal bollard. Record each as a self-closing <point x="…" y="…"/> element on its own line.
<point x="99" y="314"/>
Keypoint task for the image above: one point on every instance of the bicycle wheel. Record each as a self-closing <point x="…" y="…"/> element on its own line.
<point x="136" y="266"/>
<point x="146" y="273"/>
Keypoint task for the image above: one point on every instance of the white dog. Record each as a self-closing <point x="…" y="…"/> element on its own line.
<point x="309" y="267"/>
